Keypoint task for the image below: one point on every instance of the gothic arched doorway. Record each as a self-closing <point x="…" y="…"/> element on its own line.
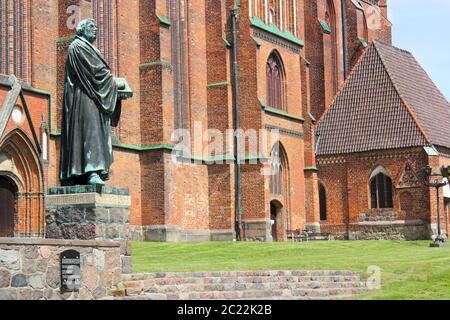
<point x="276" y="220"/>
<point x="8" y="193"/>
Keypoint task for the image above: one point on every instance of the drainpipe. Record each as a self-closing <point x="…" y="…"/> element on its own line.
<point x="182" y="71"/>
<point x="237" y="146"/>
<point x="344" y="36"/>
<point x="344" y="60"/>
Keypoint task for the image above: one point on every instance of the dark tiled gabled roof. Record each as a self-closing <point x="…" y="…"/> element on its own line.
<point x="388" y="101"/>
<point x="427" y="103"/>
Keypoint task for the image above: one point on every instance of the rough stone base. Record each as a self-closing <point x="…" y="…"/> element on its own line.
<point x="170" y="233"/>
<point x="242" y="285"/>
<point x="257" y="231"/>
<point x="393" y="230"/>
<point x="223" y="235"/>
<point x="88" y="213"/>
<point x="30" y="269"/>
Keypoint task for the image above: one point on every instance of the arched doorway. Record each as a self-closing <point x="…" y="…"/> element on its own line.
<point x="280" y="218"/>
<point x="276" y="221"/>
<point x="7" y="207"/>
<point x="24" y="174"/>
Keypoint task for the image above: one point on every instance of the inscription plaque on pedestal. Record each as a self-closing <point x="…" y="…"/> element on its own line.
<point x="70" y="271"/>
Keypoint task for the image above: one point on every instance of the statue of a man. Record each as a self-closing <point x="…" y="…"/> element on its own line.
<point x="90" y="106"/>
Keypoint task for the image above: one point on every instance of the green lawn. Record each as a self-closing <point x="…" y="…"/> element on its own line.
<point x="410" y="270"/>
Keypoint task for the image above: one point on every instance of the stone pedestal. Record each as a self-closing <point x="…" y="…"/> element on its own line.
<point x="91" y="213"/>
<point x="439" y="245"/>
<point x="88" y="213"/>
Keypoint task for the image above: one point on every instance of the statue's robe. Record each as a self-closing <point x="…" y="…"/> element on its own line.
<point x="90" y="104"/>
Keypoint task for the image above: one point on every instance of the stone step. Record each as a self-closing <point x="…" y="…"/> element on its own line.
<point x="332" y="297"/>
<point x="251" y="286"/>
<point x="232" y="280"/>
<point x="164" y="297"/>
<point x="286" y="294"/>
<point x="213" y="274"/>
<point x="279" y="284"/>
<point x="150" y="296"/>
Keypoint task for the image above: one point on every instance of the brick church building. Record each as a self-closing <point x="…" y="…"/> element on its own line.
<point x="195" y="65"/>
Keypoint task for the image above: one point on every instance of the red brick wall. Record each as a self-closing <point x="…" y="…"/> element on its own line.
<point x="356" y="28"/>
<point x="220" y="116"/>
<point x="319" y="50"/>
<point x="221" y="197"/>
<point x="346" y="181"/>
<point x="186" y="194"/>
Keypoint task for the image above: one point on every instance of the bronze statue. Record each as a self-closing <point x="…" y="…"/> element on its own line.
<point x="91" y="104"/>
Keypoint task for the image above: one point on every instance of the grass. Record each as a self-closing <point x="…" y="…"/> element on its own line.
<point x="410" y="270"/>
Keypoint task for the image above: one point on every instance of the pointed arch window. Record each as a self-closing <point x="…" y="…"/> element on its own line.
<point x="331" y="51"/>
<point x="381" y="190"/>
<point x="105" y="14"/>
<point x="275" y="80"/>
<point x="178" y="19"/>
<point x="281" y="13"/>
<point x="291" y="16"/>
<point x="275" y="12"/>
<point x="276" y="171"/>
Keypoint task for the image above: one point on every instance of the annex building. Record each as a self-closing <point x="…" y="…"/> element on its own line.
<point x="388" y="123"/>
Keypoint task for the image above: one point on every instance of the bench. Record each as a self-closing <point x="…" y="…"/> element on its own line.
<point x="304" y="235"/>
<point x="297" y="235"/>
<point x="319" y="236"/>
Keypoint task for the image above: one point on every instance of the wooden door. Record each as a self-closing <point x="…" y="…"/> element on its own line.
<point x="7" y="207"/>
<point x="273" y="218"/>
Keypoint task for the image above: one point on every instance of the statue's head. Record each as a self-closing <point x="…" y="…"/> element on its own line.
<point x="87" y="29"/>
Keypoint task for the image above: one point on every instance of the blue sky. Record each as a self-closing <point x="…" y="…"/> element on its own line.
<point x="422" y="27"/>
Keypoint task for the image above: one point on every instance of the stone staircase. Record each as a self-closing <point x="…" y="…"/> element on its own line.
<point x="274" y="285"/>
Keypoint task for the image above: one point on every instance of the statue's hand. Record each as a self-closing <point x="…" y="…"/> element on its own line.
<point x="120" y="82"/>
<point x="124" y="90"/>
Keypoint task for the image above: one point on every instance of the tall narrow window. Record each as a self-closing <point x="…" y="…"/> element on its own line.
<point x="278" y="166"/>
<point x="179" y="29"/>
<point x="330" y="52"/>
<point x="263" y="10"/>
<point x="275" y="12"/>
<point x="253" y="8"/>
<point x="291" y="16"/>
<point x="381" y="191"/>
<point x="322" y="203"/>
<point x="275" y="166"/>
<point x="104" y="13"/>
<point x="14" y="38"/>
<point x="275" y="75"/>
